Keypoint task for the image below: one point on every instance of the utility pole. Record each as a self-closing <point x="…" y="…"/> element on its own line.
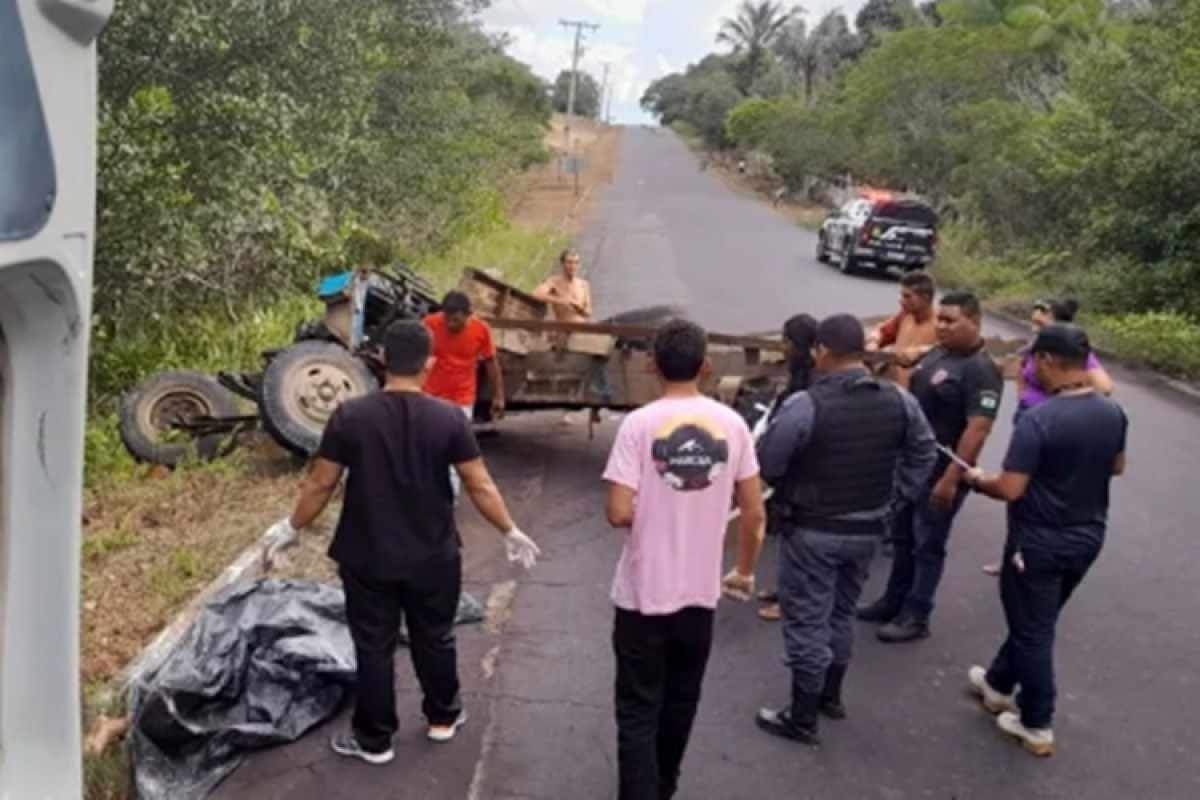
<point x="604" y="93"/>
<point x="576" y="54"/>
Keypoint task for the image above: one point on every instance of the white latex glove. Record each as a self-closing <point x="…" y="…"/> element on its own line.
<point x="279" y="537"/>
<point x="761" y="424"/>
<point x="521" y="549"/>
<point x="737" y="586"/>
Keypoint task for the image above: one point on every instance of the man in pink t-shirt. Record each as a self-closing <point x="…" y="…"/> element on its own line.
<point x="673" y="469"/>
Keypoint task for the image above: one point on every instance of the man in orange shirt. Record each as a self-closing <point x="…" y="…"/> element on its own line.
<point x="912" y="332"/>
<point x="460" y="342"/>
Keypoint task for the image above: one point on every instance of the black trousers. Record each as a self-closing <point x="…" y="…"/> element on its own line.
<point x="660" y="668"/>
<point x="374" y="609"/>
<point x="1033" y="601"/>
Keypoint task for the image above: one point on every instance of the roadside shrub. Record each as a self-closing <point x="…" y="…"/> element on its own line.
<point x="1164" y="340"/>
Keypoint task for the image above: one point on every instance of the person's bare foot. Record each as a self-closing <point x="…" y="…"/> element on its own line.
<point x="992" y="569"/>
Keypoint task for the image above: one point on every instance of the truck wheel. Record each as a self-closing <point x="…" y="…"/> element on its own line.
<point x="301" y="388"/>
<point x="148" y="415"/>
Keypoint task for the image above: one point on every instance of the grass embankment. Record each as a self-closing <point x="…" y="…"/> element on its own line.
<point x="1165" y="341"/>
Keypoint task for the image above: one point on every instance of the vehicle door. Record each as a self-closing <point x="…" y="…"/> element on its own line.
<point x="47" y="211"/>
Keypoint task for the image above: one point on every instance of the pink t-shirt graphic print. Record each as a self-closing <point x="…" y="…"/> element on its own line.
<point x="682" y="456"/>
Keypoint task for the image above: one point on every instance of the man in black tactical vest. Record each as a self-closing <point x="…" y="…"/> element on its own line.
<point x="839" y="455"/>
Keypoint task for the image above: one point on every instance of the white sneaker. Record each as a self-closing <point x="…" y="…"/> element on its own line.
<point x="993" y="701"/>
<point x="444" y="733"/>
<point x="1039" y="741"/>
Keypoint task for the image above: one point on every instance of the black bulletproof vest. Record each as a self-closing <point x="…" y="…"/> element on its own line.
<point x="849" y="465"/>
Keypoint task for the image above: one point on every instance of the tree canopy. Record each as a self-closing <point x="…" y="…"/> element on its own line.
<point x="587" y="94"/>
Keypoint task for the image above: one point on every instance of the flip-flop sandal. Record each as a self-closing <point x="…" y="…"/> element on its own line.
<point x="771" y="613"/>
<point x="768" y="596"/>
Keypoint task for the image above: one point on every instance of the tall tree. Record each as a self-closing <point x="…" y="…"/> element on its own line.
<point x="879" y="17"/>
<point x="751" y="32"/>
<point x="1051" y="24"/>
<point x="587" y="94"/>
<point x="814" y="56"/>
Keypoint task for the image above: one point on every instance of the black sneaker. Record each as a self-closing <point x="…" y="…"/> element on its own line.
<point x="779" y="723"/>
<point x="882" y="610"/>
<point x="344" y="744"/>
<point x="905" y="628"/>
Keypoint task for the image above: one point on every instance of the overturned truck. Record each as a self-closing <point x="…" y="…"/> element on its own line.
<point x="546" y="366"/>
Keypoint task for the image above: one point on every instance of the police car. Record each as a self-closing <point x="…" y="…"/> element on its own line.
<point x="879" y="230"/>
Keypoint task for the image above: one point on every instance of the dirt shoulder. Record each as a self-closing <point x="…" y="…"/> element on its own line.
<point x="548" y="196"/>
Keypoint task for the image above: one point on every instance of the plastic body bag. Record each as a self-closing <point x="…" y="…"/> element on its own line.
<point x="261" y="665"/>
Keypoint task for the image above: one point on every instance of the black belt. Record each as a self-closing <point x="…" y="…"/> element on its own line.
<point x="845" y="527"/>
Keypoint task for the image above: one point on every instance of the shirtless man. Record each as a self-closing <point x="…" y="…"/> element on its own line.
<point x="912" y="332"/>
<point x="568" y="294"/>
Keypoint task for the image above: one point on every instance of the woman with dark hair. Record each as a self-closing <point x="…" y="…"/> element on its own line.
<point x="1030" y="392"/>
<point x="799" y="336"/>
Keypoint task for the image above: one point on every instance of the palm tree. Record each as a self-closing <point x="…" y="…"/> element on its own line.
<point x="814" y="56"/>
<point x="756" y="26"/>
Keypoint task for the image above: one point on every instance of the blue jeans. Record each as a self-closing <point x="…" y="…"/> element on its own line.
<point x="1033" y="601"/>
<point x="821" y="576"/>
<point x="920" y="533"/>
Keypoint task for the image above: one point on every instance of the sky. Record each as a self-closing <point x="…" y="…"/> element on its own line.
<point x="641" y="39"/>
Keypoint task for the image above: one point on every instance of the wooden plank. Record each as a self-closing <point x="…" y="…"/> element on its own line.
<point x="627" y="332"/>
<point x="594" y="344"/>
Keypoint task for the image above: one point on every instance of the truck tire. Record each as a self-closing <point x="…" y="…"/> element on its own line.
<point x="301" y="388"/>
<point x="179" y="395"/>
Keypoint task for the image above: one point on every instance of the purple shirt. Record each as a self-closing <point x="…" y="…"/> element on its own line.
<point x="682" y="457"/>
<point x="1034" y="393"/>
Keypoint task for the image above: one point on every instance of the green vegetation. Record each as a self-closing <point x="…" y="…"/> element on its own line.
<point x="1057" y="136"/>
<point x="587" y="94"/>
<point x="246" y="152"/>
<point x="108" y="542"/>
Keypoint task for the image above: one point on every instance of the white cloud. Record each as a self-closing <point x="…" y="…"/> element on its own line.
<point x="627" y="12"/>
<point x="550" y="55"/>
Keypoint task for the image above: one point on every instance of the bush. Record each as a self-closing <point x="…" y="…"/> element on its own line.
<point x="1164" y="340"/>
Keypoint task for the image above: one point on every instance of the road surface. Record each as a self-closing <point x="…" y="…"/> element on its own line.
<point x="538" y="680"/>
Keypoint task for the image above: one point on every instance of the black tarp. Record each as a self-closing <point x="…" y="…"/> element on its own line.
<point x="261" y="665"/>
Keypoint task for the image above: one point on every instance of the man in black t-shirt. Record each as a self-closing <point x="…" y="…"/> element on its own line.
<point x="959" y="388"/>
<point x="1063" y="455"/>
<point x="396" y="544"/>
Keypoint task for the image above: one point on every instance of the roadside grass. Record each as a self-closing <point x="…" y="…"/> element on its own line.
<point x="106" y="776"/>
<point x="1162" y="340"/>
<point x="517" y="255"/>
<point x="808" y="216"/>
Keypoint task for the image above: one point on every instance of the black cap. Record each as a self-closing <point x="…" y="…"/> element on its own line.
<point x="842" y="334"/>
<point x="1064" y="340"/>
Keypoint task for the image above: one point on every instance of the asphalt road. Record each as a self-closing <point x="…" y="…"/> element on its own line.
<point x="538" y="679"/>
